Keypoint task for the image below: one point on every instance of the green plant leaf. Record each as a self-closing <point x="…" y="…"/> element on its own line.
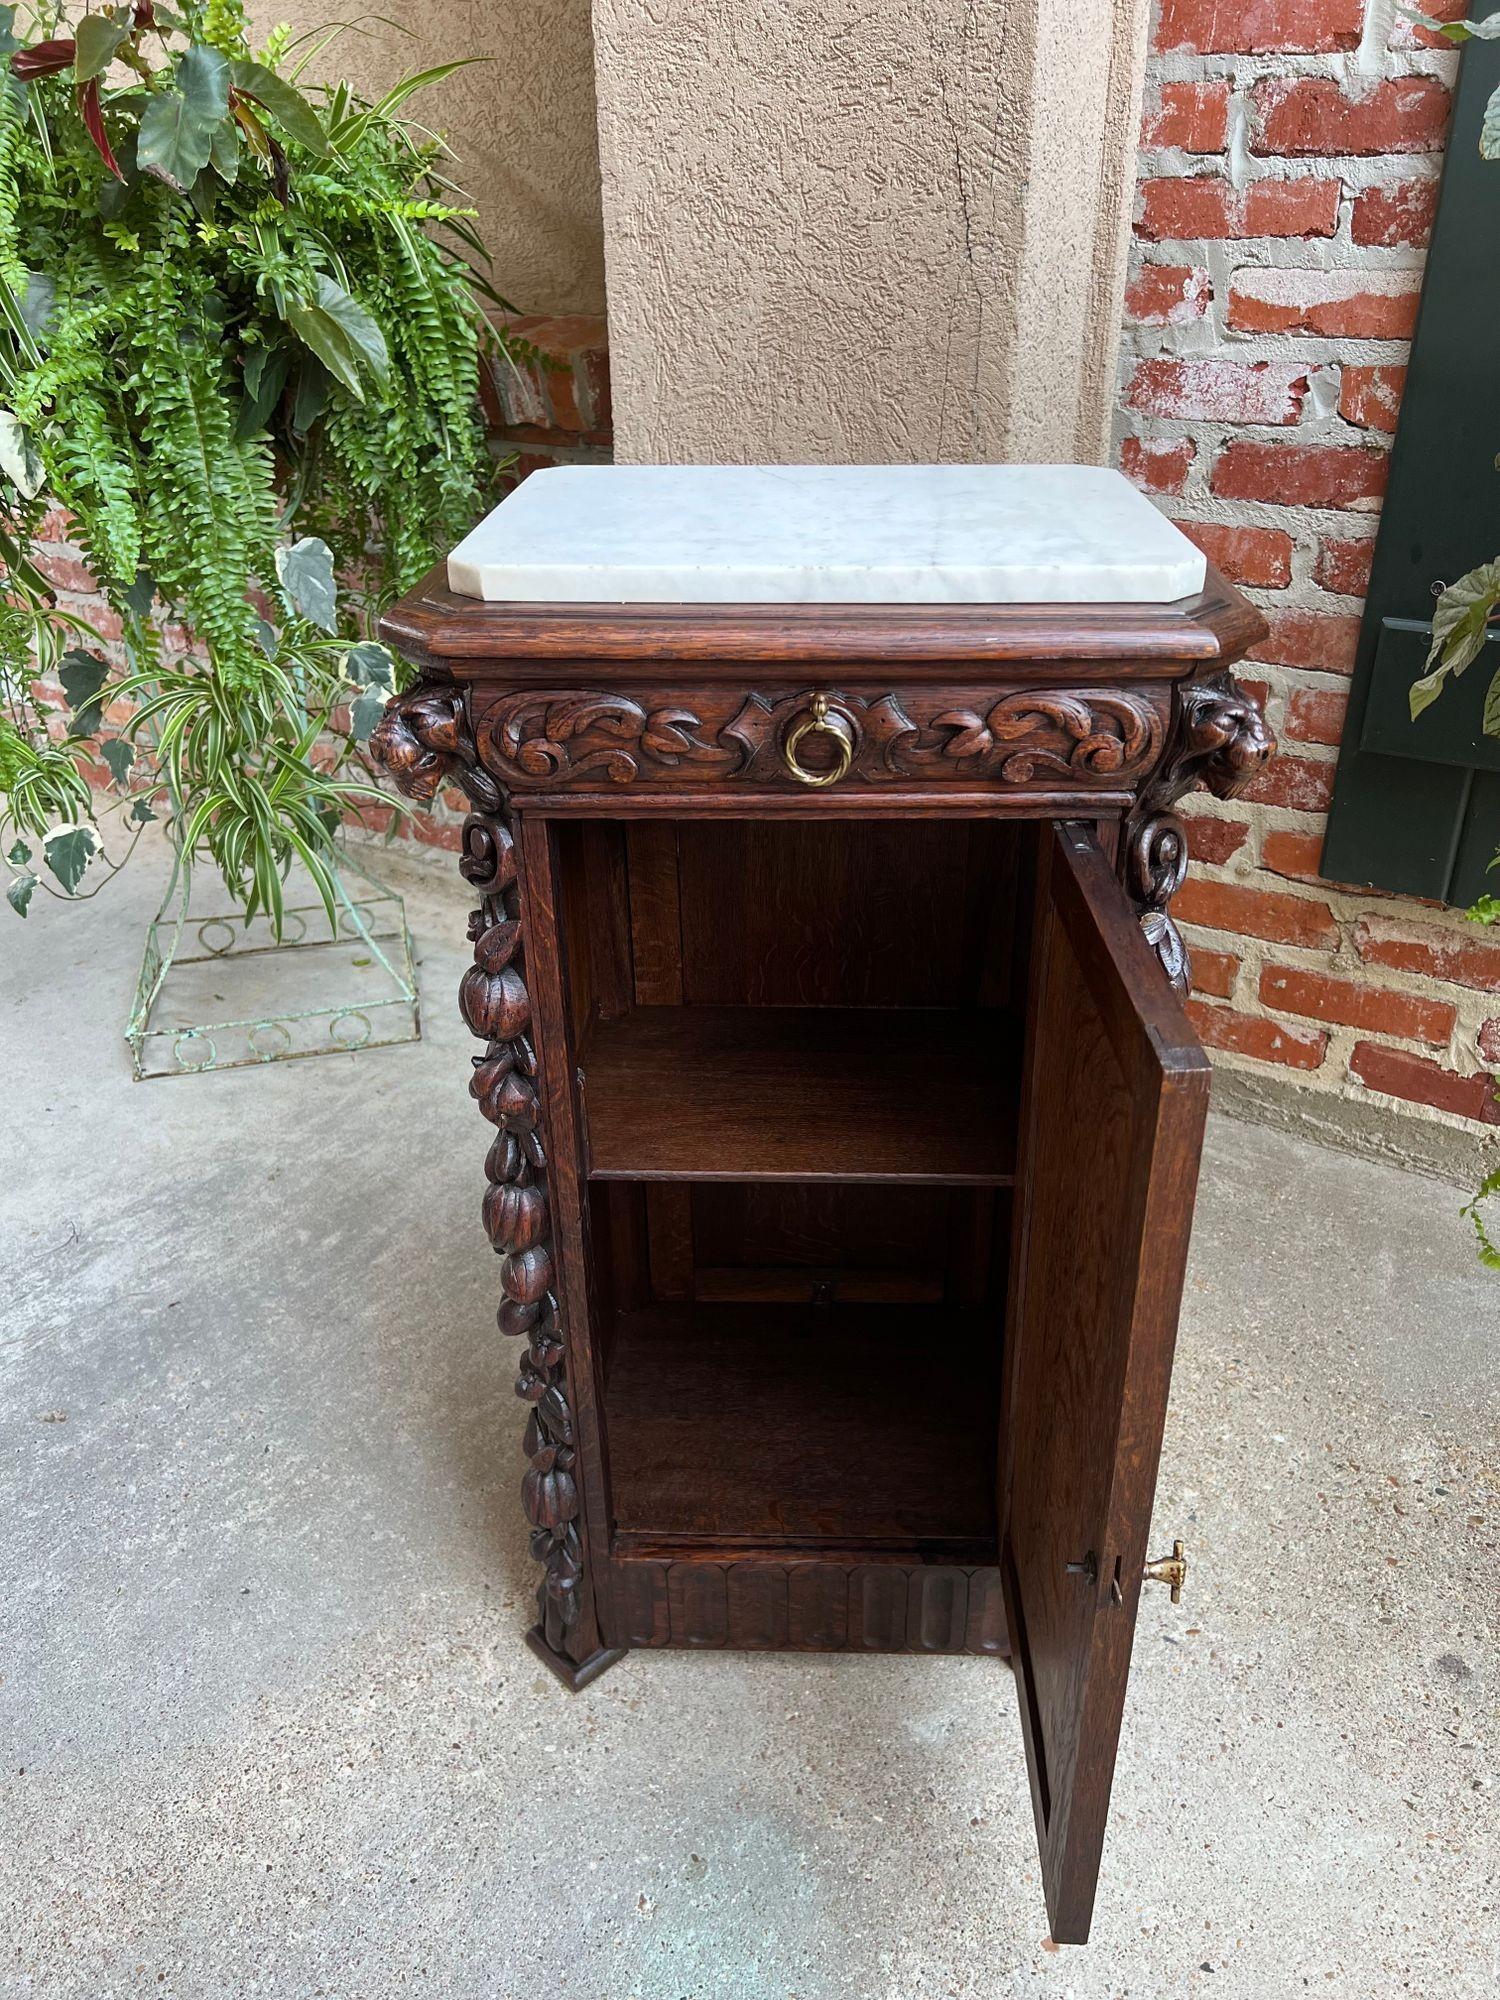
<point x="141" y="813"/>
<point x="311" y="397"/>
<point x="350" y="129"/>
<point x="141" y="592"/>
<point x="98" y="37"/>
<point x="38" y="303"/>
<point x="266" y="370"/>
<point x="224" y="152"/>
<point x="19" y="854"/>
<point x="1460" y="626"/>
<point x="176" y="135"/>
<point x="283" y="101"/>
<point x="1492" y="706"/>
<point x="364" y="716"/>
<point x="68" y="850"/>
<point x="306" y="574"/>
<point x="323" y="336"/>
<point x="1489" y="130"/>
<point x="20" y="892"/>
<point x="82" y="678"/>
<point x="341" y="334"/>
<point x="20" y="460"/>
<point x="1424" y="692"/>
<point x="120" y="756"/>
<point x="371" y="665"/>
<point x="1488" y="1190"/>
<point x="363" y="334"/>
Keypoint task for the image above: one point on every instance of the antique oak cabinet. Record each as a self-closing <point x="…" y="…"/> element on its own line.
<point x="846" y="1114"/>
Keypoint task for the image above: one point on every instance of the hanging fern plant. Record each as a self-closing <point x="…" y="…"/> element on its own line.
<point x="240" y="344"/>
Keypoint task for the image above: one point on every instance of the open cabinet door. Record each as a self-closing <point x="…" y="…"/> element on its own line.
<point x="1111" y="1127"/>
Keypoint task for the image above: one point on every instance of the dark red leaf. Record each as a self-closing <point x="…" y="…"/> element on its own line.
<point x="145" y="14"/>
<point x="93" y="121"/>
<point x="45" y="59"/>
<point x="281" y="175"/>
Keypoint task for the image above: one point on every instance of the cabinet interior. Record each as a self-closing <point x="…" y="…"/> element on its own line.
<point x="798" y="1046"/>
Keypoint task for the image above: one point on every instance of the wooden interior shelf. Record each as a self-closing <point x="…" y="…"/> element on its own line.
<point x="835" y="1426"/>
<point x="908" y="1095"/>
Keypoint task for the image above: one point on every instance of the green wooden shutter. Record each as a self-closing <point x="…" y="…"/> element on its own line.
<point x="1416" y="805"/>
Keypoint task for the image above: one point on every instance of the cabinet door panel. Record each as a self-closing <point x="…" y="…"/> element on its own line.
<point x="1112" y="1124"/>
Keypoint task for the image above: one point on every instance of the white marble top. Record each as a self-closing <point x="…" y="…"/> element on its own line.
<point x="826" y="534"/>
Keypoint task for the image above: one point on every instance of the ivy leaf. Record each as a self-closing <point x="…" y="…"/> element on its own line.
<point x="365" y="715"/>
<point x="371" y="665"/>
<point x="82" y="677"/>
<point x="176" y="133"/>
<point x="284" y="101"/>
<point x="306" y="573"/>
<point x="19" y="854"/>
<point x="1489" y="130"/>
<point x="141" y="813"/>
<point x="20" y="892"/>
<point x="372" y="669"/>
<point x="119" y="755"/>
<point x="68" y="850"/>
<point x="138" y="597"/>
<point x="20" y="460"/>
<point x="98" y="39"/>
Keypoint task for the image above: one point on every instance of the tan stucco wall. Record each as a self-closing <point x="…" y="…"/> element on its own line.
<point x="865" y="229"/>
<point x="521" y="123"/>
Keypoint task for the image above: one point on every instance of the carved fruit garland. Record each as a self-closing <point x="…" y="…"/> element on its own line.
<point x="423" y="739"/>
<point x="497" y="1007"/>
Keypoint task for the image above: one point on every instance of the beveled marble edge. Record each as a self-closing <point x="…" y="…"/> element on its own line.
<point x="886" y="588"/>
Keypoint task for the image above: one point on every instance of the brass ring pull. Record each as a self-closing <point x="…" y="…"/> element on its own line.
<point x="822" y="720"/>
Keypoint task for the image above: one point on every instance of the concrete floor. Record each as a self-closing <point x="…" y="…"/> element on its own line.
<point x="269" y="1727"/>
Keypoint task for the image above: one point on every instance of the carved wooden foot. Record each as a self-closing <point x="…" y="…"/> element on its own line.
<point x="1218" y="739"/>
<point x="575" y="1675"/>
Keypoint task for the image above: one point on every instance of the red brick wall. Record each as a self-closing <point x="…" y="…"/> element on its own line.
<point x="1288" y="173"/>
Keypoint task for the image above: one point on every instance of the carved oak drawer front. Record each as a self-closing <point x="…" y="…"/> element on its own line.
<point x="823" y="737"/>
